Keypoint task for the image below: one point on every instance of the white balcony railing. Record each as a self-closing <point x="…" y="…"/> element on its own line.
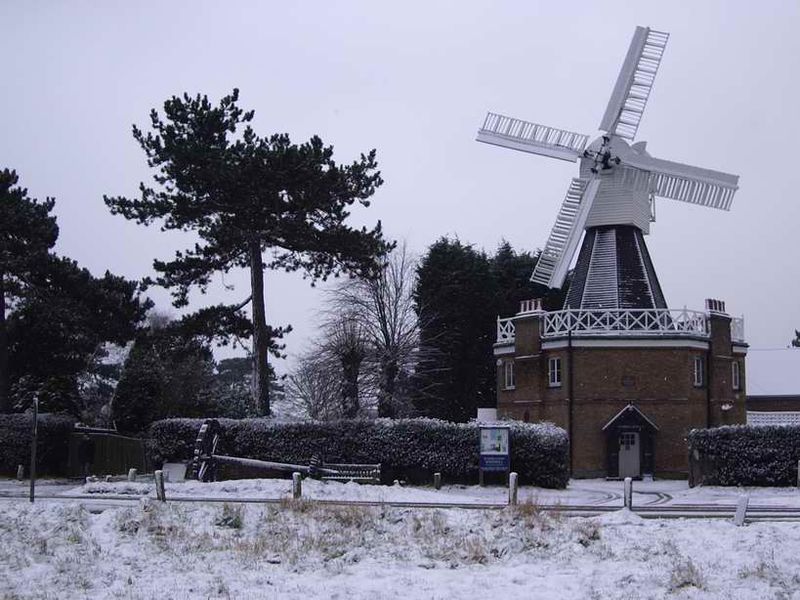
<point x="505" y="330"/>
<point x="643" y="322"/>
<point x="639" y="322"/>
<point x="737" y="329"/>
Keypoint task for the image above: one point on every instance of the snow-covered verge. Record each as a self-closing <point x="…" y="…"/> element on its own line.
<point x="306" y="550"/>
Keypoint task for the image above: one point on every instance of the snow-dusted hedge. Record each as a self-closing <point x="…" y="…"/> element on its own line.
<point x="745" y="455"/>
<point x="15" y="443"/>
<point x="410" y="449"/>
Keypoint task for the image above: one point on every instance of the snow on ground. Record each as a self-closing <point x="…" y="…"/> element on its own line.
<point x="300" y="550"/>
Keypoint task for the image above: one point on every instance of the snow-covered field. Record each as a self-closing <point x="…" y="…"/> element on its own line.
<point x="146" y="549"/>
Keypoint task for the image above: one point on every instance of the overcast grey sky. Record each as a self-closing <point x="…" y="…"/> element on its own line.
<point x="414" y="80"/>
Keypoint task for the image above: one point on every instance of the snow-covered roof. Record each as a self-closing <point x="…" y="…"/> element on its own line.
<point x="773" y="372"/>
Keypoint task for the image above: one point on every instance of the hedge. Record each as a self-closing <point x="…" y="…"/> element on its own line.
<point x="52" y="448"/>
<point x="745" y="455"/>
<point x="409" y="449"/>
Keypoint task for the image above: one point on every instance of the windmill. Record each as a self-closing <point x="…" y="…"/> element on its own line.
<point x="613" y="198"/>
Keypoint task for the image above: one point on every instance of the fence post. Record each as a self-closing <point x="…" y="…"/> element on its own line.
<point x="297" y="485"/>
<point x="34" y="443"/>
<point x="131" y="474"/>
<point x="20" y="472"/>
<point x="160" y="491"/>
<point x="741" y="510"/>
<point x="437" y="481"/>
<point x="512" y="489"/>
<point x="627" y="493"/>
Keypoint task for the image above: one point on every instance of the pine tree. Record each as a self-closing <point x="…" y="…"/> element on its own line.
<point x="243" y="195"/>
<point x="27" y="233"/>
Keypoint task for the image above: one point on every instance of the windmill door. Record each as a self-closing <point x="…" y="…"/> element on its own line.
<point x="629" y="453"/>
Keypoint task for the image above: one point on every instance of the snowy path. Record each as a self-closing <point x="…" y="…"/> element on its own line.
<point x="651" y="499"/>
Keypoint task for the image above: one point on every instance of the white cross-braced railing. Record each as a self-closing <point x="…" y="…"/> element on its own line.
<point x="737" y="329"/>
<point x="505" y="330"/>
<point x="533" y="133"/>
<point x="654" y="321"/>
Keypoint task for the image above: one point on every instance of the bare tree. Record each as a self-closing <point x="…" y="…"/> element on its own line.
<point x="384" y="310"/>
<point x="344" y="340"/>
<point x="312" y="389"/>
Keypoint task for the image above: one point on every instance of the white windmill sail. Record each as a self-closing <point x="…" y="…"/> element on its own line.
<point x="551" y="268"/>
<point x="532" y="137"/>
<point x="634" y="83"/>
<point x="695" y="185"/>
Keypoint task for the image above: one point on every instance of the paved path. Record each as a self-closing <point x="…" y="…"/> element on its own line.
<point x="582" y="497"/>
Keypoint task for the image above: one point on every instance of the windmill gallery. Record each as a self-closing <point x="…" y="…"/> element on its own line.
<point x="626" y="376"/>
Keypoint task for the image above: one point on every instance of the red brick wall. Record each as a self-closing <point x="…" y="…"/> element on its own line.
<point x="658" y="380"/>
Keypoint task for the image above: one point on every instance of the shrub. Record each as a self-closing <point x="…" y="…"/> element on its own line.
<point x="410" y="449"/>
<point x="745" y="455"/>
<point x="52" y="448"/>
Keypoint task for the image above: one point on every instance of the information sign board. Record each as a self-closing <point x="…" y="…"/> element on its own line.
<point x="494" y="451"/>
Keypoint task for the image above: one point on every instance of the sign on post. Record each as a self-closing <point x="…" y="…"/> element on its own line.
<point x="495" y="455"/>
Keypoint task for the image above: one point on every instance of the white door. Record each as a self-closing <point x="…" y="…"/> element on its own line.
<point x="629" y="454"/>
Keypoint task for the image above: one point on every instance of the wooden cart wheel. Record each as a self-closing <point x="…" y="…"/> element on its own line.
<point x="204" y="466"/>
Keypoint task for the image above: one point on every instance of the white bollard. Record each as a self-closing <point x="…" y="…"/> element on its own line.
<point x="741" y="510"/>
<point x="161" y="493"/>
<point x="131" y="474"/>
<point x="297" y="485"/>
<point x="20" y="472"/>
<point x="512" y="489"/>
<point x="627" y="493"/>
<point x="437" y="481"/>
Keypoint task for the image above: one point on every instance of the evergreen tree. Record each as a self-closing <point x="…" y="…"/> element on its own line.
<point x="56" y="316"/>
<point x="460" y="292"/>
<point x="796" y="340"/>
<point x="512" y="271"/>
<point x="455" y="299"/>
<point x="27" y="233"/>
<point x="165" y="375"/>
<point x="244" y="194"/>
<point x="59" y="325"/>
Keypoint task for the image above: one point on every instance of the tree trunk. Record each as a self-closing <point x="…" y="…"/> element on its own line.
<point x="4" y="382"/>
<point x="260" y="335"/>
<point x="387" y="385"/>
<point x="351" y="365"/>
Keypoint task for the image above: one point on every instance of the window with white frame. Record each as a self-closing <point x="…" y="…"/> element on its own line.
<point x="508" y="374"/>
<point x="736" y="376"/>
<point x="699" y="371"/>
<point x="554" y="372"/>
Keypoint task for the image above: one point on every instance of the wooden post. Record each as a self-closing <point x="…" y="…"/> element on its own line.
<point x="20" y="472"/>
<point x="627" y="493"/>
<point x="437" y="481"/>
<point x="33" y="445"/>
<point x="741" y="510"/>
<point x="512" y="489"/>
<point x="131" y="474"/>
<point x="160" y="491"/>
<point x="297" y="485"/>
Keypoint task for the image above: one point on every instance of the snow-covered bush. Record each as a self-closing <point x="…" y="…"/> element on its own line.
<point x="745" y="455"/>
<point x="409" y="449"/>
<point x="15" y="443"/>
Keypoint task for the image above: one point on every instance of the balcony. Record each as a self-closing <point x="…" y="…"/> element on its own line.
<point x="621" y="323"/>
